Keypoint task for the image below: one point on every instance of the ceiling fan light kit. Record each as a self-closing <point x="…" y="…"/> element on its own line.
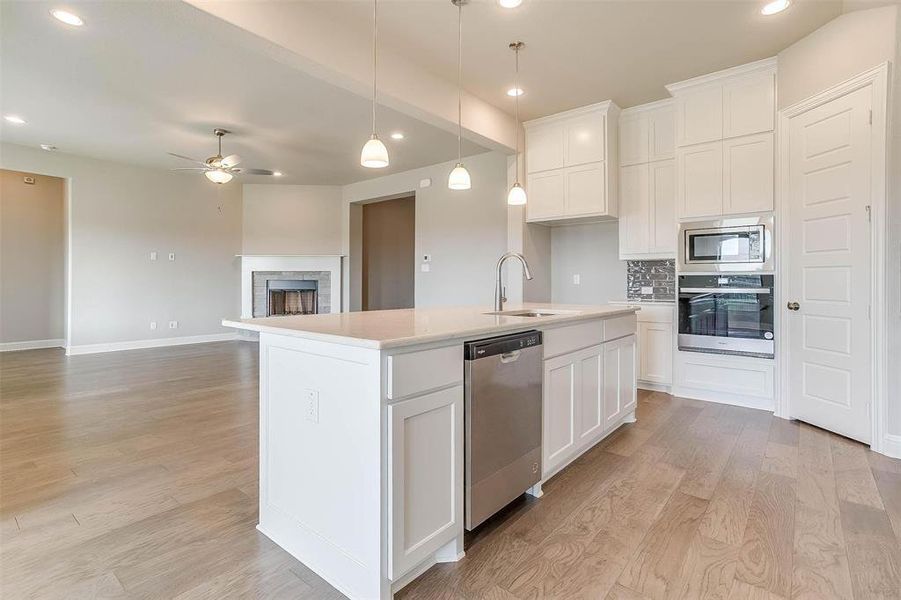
<point x="218" y="169"/>
<point x="219" y="176"/>
<point x="459" y="179"/>
<point x="374" y="154"/>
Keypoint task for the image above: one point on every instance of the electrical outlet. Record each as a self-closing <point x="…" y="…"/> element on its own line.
<point x="424" y="183"/>
<point x="153" y="255"/>
<point x="173" y="324"/>
<point x="577" y="279"/>
<point x="172" y="256"/>
<point x="426" y="258"/>
<point x="312" y="405"/>
<point x="153" y="325"/>
<point x="425" y="267"/>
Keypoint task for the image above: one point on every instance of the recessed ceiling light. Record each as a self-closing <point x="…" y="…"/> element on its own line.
<point x="776" y="6"/>
<point x="513" y="92"/>
<point x="67" y="17"/>
<point x="397" y="135"/>
<point x="509" y="3"/>
<point x="15" y="119"/>
<point x="48" y="147"/>
<point x="277" y="174"/>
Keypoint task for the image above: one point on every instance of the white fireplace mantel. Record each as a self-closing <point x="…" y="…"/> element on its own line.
<point x="289" y="262"/>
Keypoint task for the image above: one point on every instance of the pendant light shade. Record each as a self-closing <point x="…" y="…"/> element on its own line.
<point x="218" y="176"/>
<point x="517" y="195"/>
<point x="459" y="177"/>
<point x="374" y="154"/>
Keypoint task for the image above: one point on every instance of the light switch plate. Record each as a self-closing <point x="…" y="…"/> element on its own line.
<point x="173" y="324"/>
<point x="424" y="183"/>
<point x="172" y="256"/>
<point x="153" y="325"/>
<point x="311" y="398"/>
<point x="153" y="255"/>
<point x="577" y="279"/>
<point x="425" y="267"/>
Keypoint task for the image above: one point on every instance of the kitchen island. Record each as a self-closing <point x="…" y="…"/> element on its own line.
<point x="361" y="426"/>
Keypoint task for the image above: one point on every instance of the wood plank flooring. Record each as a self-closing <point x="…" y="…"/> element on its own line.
<point x="134" y="475"/>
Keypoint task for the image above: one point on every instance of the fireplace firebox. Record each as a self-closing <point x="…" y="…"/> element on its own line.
<point x="291" y="297"/>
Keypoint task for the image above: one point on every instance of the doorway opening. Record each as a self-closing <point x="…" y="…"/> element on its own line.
<point x="387" y="250"/>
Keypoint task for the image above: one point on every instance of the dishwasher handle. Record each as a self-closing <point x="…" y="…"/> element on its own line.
<point x="509" y="357"/>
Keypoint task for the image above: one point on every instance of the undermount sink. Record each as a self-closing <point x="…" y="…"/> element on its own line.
<point x="532" y="313"/>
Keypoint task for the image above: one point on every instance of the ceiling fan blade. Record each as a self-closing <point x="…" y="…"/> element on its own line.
<point x="230" y="160"/>
<point x="253" y="171"/>
<point x="190" y="169"/>
<point x="194" y="160"/>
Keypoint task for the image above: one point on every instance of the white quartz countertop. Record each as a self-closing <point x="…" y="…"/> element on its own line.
<point x="640" y="301"/>
<point x="405" y="327"/>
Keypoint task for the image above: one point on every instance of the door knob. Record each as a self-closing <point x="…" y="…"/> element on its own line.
<point x="793" y="306"/>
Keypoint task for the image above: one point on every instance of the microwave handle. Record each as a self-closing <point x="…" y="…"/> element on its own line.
<point x="726" y="290"/>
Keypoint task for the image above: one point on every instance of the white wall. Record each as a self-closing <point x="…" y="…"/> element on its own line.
<point x="592" y="252"/>
<point x="118" y="214"/>
<point x="464" y="231"/>
<point x="32" y="258"/>
<point x="291" y="219"/>
<point x="844" y="47"/>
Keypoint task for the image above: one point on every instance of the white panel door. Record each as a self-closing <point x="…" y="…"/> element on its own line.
<point x="591" y="394"/>
<point x="544" y="148"/>
<point x="699" y="116"/>
<point x="634" y="210"/>
<point x="426" y="463"/>
<point x="584" y="140"/>
<point x="748" y="174"/>
<point x="547" y="197"/>
<point x="829" y="266"/>
<point x="662" y="133"/>
<point x="633" y="139"/>
<point x="560" y="401"/>
<point x="586" y="190"/>
<point x="662" y="191"/>
<point x="749" y="105"/>
<point x="699" y="180"/>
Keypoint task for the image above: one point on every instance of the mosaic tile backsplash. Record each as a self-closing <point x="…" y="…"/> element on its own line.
<point x="659" y="275"/>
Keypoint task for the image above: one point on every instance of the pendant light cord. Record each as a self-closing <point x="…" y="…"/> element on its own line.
<point x="460" y="82"/>
<point x="375" y="60"/>
<point x="516" y="109"/>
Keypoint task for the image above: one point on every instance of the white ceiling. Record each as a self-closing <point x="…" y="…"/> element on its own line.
<point x="141" y="79"/>
<point x="579" y="52"/>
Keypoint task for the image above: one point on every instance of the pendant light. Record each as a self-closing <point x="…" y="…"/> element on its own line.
<point x="459" y="176"/>
<point x="517" y="195"/>
<point x="374" y="154"/>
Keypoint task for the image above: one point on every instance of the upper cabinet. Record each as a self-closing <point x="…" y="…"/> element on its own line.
<point x="571" y="161"/>
<point x="647" y="219"/>
<point x="724" y="141"/>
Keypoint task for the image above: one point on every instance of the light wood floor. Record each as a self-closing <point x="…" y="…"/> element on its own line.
<point x="133" y="475"/>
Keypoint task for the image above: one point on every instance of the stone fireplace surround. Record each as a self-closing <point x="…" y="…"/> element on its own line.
<point x="324" y="269"/>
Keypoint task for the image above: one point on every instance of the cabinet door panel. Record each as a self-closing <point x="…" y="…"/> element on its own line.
<point x="662" y="192"/>
<point x="748" y="174"/>
<point x="585" y="140"/>
<point x="559" y="406"/>
<point x="634" y="211"/>
<point x="426" y="462"/>
<point x="586" y="190"/>
<point x="749" y="105"/>
<point x="546" y="195"/>
<point x="591" y="394"/>
<point x="633" y="139"/>
<point x="628" y="375"/>
<point x="699" y="116"/>
<point x="544" y="148"/>
<point x="612" y="406"/>
<point x="699" y="179"/>
<point x="662" y="133"/>
<point x="655" y="343"/>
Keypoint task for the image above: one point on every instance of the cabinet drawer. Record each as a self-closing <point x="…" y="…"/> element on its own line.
<point x="416" y="372"/>
<point x="619" y="327"/>
<point x="650" y="313"/>
<point x="572" y="337"/>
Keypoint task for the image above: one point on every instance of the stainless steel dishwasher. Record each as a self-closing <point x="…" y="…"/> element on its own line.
<point x="503" y="421"/>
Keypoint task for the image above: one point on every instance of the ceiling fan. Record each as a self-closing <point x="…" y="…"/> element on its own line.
<point x="219" y="169"/>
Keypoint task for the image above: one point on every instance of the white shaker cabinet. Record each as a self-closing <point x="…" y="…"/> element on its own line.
<point x="620" y="394"/>
<point x="662" y="193"/>
<point x="633" y="138"/>
<point x="662" y="132"/>
<point x="749" y="104"/>
<point x="571" y="160"/>
<point x="561" y="397"/>
<point x="634" y="210"/>
<point x="699" y="116"/>
<point x="748" y="165"/>
<point x="699" y="180"/>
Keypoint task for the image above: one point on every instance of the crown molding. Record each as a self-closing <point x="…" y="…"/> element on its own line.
<point x="649" y="106"/>
<point x="760" y="66"/>
<point x="607" y="106"/>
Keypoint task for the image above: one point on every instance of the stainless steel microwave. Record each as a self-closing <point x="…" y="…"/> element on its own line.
<point x="736" y="245"/>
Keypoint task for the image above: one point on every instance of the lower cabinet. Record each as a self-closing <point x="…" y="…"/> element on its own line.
<point x="585" y="393"/>
<point x="655" y="354"/>
<point x="425" y="436"/>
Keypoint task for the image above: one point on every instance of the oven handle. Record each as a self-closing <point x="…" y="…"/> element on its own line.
<point x="726" y="290"/>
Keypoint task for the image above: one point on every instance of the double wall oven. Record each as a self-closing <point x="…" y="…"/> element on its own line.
<point x="725" y="287"/>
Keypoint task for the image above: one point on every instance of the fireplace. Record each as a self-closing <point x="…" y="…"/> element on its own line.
<point x="291" y="297"/>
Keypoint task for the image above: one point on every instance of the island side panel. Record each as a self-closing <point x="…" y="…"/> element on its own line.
<point x="320" y="458"/>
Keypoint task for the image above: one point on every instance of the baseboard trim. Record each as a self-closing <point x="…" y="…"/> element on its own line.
<point x="32" y="345"/>
<point x="152" y="343"/>
<point x="891" y="445"/>
<point x="745" y="401"/>
<point x="655" y="387"/>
